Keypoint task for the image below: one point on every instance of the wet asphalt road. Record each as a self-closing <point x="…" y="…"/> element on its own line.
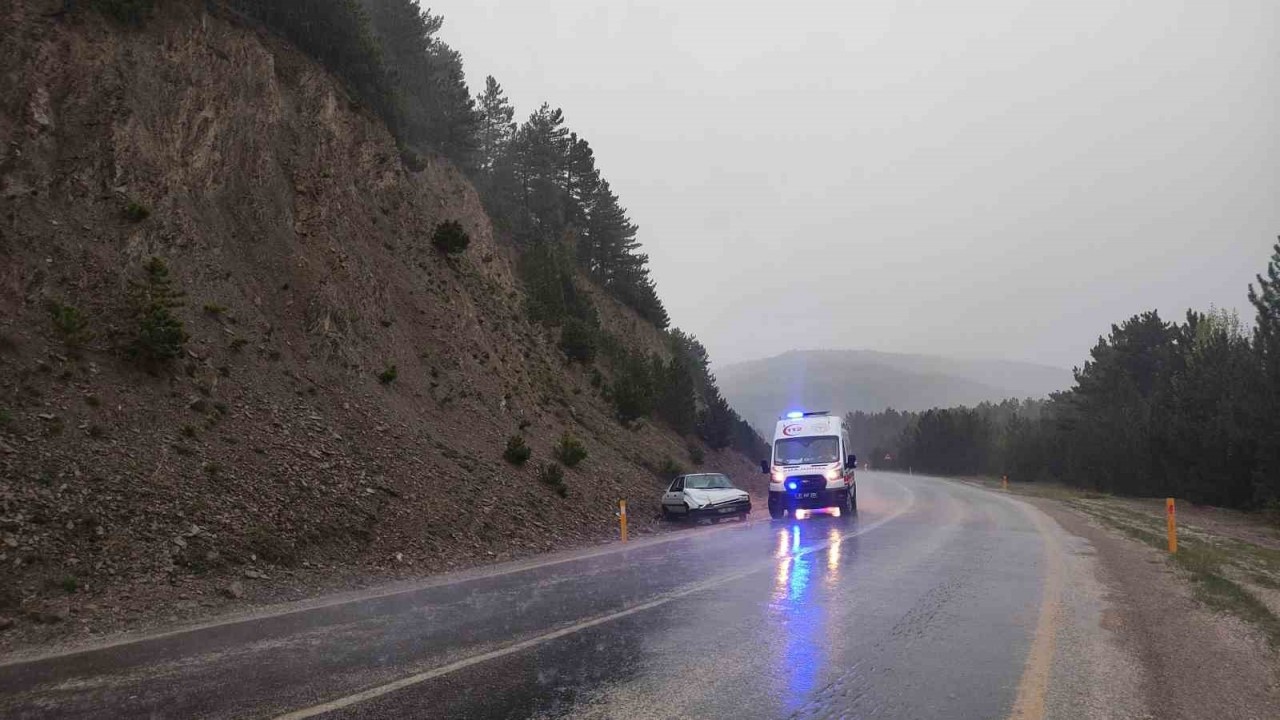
<point x="922" y="606"/>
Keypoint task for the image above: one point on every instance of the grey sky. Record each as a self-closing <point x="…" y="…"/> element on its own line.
<point x="994" y="178"/>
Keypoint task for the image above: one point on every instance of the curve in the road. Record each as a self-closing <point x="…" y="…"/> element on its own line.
<point x="939" y="599"/>
<point x="417" y="678"/>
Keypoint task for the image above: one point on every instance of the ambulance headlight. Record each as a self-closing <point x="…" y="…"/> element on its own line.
<point x="832" y="474"/>
<point x="778" y="476"/>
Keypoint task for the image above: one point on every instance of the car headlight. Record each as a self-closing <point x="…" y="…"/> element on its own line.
<point x="832" y="474"/>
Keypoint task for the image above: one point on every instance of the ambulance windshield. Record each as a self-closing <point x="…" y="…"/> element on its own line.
<point x="806" y="450"/>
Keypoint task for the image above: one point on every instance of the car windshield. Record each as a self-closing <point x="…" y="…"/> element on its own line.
<point x="796" y="451"/>
<point x="707" y="482"/>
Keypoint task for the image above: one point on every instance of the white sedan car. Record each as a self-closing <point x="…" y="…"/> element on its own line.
<point x="704" y="495"/>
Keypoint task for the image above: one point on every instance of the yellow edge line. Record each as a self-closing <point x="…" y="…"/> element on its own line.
<point x="1034" y="684"/>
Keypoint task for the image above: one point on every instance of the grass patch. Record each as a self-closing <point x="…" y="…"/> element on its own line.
<point x="1047" y="490"/>
<point x="135" y="211"/>
<point x="388" y="375"/>
<point x="128" y="12"/>
<point x="1265" y="581"/>
<point x="71" y="326"/>
<point x="1209" y="564"/>
<point x="1228" y="596"/>
<point x="553" y="475"/>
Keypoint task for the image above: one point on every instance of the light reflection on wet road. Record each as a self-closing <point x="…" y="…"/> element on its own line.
<point x="920" y="606"/>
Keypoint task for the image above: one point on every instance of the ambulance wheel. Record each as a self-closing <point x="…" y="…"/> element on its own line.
<point x="849" y="506"/>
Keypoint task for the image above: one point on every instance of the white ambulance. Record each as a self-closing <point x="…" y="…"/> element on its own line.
<point x="812" y="467"/>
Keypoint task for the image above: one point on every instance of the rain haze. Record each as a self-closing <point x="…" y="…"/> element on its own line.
<point x="981" y="179"/>
<point x="339" y="372"/>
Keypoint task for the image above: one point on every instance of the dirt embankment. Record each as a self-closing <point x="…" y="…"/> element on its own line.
<point x="271" y="453"/>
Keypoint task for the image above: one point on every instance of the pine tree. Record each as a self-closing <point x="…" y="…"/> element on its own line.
<point x="633" y="387"/>
<point x="677" y="394"/>
<point x="716" y="423"/>
<point x="608" y="230"/>
<point x="580" y="180"/>
<point x="454" y="123"/>
<point x="496" y="176"/>
<point x="496" y="124"/>
<point x="610" y="253"/>
<point x="339" y="35"/>
<point x="1266" y="302"/>
<point x="434" y="109"/>
<point x="1117" y="395"/>
<point x="159" y="335"/>
<point x="539" y="149"/>
<point x="1207" y="437"/>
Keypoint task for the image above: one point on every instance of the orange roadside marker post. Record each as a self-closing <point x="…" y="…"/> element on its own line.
<point x="1173" y="525"/>
<point x="1004" y="482"/>
<point x="622" y="518"/>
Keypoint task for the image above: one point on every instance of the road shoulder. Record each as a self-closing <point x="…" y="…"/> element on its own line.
<point x="1136" y="642"/>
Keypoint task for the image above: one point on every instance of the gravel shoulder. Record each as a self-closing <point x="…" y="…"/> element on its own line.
<point x="1143" y="636"/>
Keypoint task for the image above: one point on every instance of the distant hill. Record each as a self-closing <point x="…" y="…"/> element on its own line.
<point x="847" y="380"/>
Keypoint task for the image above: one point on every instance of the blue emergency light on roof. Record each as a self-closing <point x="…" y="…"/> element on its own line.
<point x="796" y="414"/>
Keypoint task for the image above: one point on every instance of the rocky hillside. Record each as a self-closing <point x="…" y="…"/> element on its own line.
<point x="340" y="409"/>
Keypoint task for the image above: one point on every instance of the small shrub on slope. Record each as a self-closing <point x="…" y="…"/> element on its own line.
<point x="517" y="451"/>
<point x="450" y="238"/>
<point x="570" y="450"/>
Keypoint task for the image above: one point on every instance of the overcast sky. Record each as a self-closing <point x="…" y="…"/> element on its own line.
<point x="992" y="178"/>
